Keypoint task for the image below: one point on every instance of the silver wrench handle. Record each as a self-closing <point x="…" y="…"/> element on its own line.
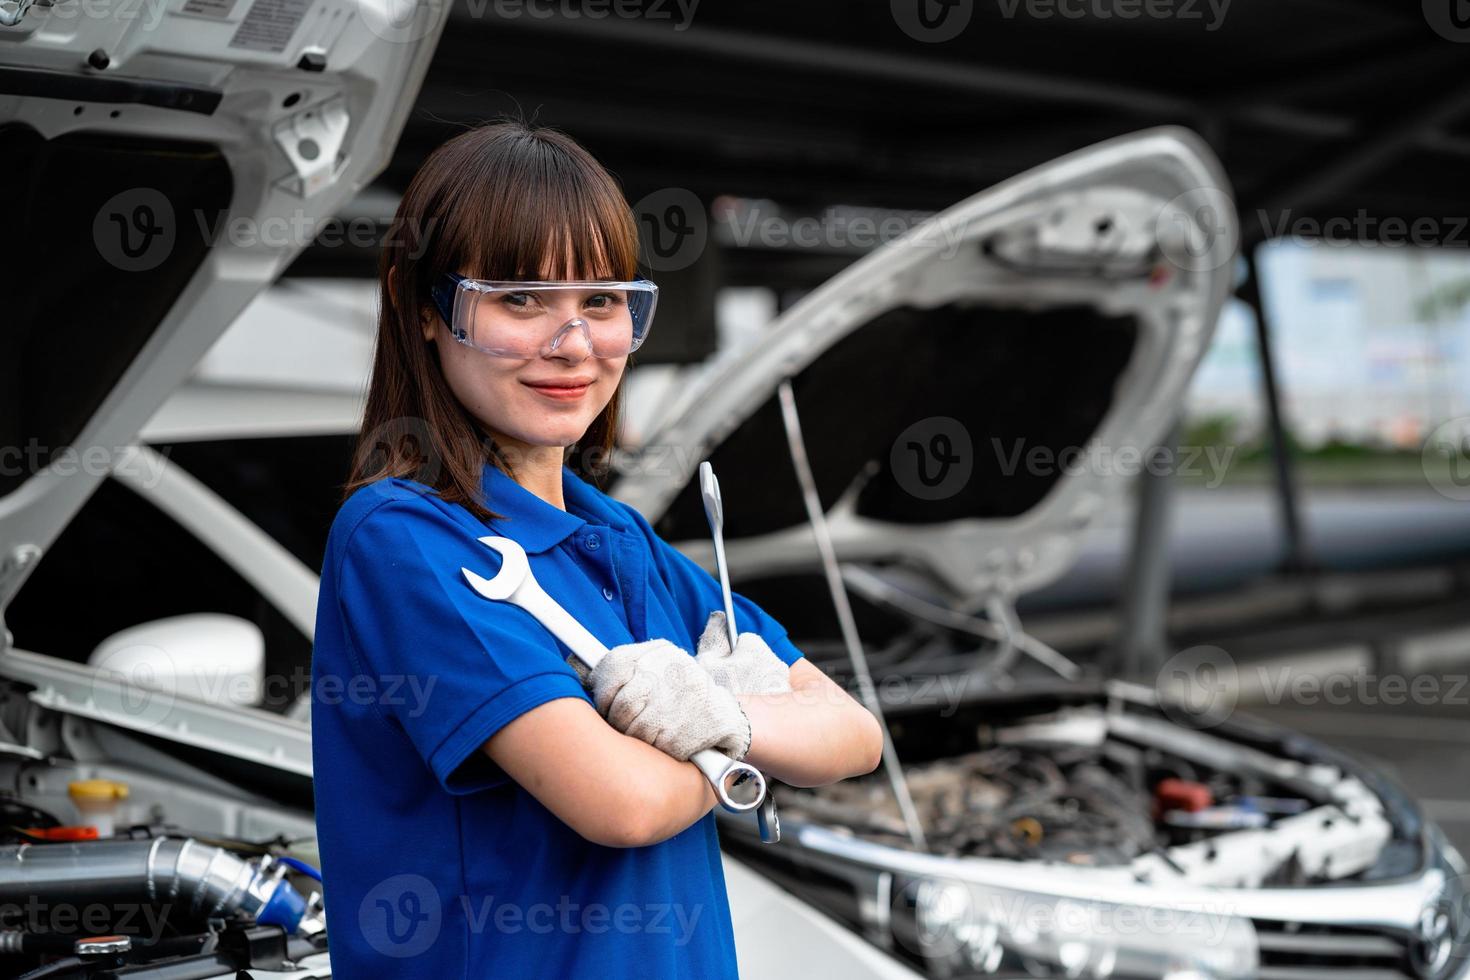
<point x="738" y="785"/>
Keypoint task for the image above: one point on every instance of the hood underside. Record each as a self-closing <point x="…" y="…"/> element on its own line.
<point x="969" y="395"/>
<point x="167" y="169"/>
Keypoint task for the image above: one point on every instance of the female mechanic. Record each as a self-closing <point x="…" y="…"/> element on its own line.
<point x="484" y="807"/>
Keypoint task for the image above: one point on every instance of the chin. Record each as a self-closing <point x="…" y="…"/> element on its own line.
<point x="560" y="438"/>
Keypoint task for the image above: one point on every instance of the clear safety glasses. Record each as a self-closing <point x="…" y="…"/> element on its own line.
<point x="532" y="319"/>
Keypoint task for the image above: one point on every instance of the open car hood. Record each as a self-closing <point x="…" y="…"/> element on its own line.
<point x="945" y="382"/>
<point x="169" y="165"/>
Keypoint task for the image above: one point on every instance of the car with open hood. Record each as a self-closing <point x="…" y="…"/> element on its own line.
<point x="922" y="440"/>
<point x="891" y="457"/>
<point x="168" y="161"/>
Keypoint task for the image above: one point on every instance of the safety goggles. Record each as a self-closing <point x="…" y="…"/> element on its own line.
<point x="533" y="319"/>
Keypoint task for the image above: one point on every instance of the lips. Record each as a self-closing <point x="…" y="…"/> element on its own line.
<point x="561" y="388"/>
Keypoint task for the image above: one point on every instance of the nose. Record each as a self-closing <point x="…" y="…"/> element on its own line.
<point x="573" y="342"/>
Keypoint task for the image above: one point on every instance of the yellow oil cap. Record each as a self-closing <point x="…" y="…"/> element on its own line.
<point x="96" y="790"/>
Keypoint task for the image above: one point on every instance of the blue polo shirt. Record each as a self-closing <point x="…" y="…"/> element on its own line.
<point x="435" y="863"/>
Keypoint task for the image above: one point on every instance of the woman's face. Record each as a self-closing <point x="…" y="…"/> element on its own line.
<point x="524" y="402"/>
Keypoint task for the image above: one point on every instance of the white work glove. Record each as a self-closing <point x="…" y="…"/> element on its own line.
<point x="655" y="692"/>
<point x="752" y="668"/>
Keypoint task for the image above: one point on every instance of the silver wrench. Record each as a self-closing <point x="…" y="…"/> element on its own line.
<point x="766" y="817"/>
<point x="738" y="785"/>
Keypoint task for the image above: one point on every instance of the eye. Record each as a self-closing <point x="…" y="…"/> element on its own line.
<point x="520" y="300"/>
<point x="605" y="302"/>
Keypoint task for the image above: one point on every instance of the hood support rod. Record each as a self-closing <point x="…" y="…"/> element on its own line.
<point x="850" y="637"/>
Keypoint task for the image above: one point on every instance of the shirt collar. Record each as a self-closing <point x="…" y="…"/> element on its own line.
<point x="537" y="525"/>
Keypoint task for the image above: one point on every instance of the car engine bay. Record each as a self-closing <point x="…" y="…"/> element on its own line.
<point x="1095" y="788"/>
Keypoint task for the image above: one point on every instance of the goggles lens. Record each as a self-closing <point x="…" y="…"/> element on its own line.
<point x="531" y="319"/>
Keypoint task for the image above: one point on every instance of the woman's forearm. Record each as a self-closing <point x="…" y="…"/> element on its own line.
<point x="812" y="736"/>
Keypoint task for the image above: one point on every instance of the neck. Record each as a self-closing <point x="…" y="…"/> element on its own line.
<point x="537" y="468"/>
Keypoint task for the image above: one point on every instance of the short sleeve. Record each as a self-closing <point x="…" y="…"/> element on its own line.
<point x="698" y="593"/>
<point x="450" y="666"/>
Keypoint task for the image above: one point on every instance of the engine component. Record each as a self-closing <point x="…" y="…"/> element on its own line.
<point x="206" y="881"/>
<point x="1182" y="794"/>
<point x="1163" y="802"/>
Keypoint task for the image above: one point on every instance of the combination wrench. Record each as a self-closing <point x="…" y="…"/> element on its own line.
<point x="739" y="786"/>
<point x="768" y="821"/>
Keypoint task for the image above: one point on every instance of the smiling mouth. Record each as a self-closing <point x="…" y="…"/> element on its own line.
<point x="560" y="390"/>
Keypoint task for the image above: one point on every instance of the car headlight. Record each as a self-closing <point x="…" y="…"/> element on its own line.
<point x="956" y="927"/>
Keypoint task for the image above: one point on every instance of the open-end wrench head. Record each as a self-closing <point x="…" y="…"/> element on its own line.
<point x="768" y="820"/>
<point x="709" y="489"/>
<point x="514" y="569"/>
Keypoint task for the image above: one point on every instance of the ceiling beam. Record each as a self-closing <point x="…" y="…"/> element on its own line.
<point x="949" y="76"/>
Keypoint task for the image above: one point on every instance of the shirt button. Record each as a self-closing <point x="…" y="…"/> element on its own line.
<point x="607" y="593"/>
<point x="592" y="541"/>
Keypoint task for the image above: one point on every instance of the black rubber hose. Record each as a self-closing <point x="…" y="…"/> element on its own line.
<point x="57" y="969"/>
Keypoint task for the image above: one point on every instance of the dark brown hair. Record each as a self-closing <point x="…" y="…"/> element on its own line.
<point x="503" y="201"/>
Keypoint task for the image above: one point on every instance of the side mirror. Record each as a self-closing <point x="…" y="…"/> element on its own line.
<point x="209" y="657"/>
